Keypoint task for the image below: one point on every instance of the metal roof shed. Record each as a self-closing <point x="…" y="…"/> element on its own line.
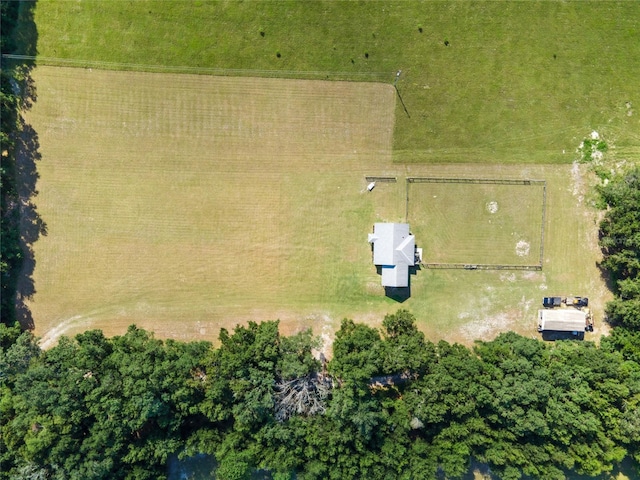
<point x="562" y="320"/>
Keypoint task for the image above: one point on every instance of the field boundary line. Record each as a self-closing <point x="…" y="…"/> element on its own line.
<point x="484" y="181"/>
<point x="496" y="181"/>
<point x="381" y="179"/>
<point x="542" y="226"/>
<point x="480" y="266"/>
<point x="385" y="77"/>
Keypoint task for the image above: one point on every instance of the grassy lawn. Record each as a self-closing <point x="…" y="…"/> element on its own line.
<point x="516" y="82"/>
<point x="186" y="203"/>
<point x="495" y="224"/>
<point x="462" y="305"/>
<point x="189" y="202"/>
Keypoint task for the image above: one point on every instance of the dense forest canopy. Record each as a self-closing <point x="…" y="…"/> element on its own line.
<point x="389" y="404"/>
<point x="11" y="254"/>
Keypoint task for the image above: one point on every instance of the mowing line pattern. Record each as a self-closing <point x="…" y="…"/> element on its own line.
<point x="178" y="199"/>
<point x="187" y="203"/>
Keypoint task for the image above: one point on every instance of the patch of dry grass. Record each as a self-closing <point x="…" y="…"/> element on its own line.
<point x="190" y="203"/>
<point x="186" y="203"/>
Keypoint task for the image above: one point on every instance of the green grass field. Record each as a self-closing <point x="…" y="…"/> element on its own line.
<point x="189" y="202"/>
<point x="519" y="82"/>
<point x="186" y="203"/>
<point x="489" y="224"/>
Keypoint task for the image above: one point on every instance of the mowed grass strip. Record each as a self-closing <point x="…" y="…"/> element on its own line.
<point x="172" y="200"/>
<point x="466" y="223"/>
<point x="156" y="220"/>
<point x="482" y="82"/>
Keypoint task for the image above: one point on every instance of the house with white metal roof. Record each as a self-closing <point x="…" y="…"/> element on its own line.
<point x="394" y="249"/>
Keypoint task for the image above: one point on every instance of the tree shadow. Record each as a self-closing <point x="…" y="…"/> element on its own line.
<point x="31" y="225"/>
<point x="25" y="36"/>
<point x="24" y="154"/>
<point x="607" y="277"/>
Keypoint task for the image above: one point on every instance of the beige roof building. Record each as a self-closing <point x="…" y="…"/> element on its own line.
<point x="562" y="320"/>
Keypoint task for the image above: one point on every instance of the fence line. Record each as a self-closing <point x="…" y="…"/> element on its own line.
<point x="382" y="179"/>
<point x="406" y="206"/>
<point x="480" y="266"/>
<point x="314" y="74"/>
<point x="498" y="181"/>
<point x="542" y="227"/>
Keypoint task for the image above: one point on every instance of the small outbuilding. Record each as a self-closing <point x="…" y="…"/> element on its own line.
<point x="394" y="250"/>
<point x="563" y="320"/>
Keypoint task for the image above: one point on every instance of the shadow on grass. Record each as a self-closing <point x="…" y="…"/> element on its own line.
<point x="553" y="336"/>
<point x="31" y="224"/>
<point x="400" y="294"/>
<point x="25" y="225"/>
<point x="607" y="278"/>
<point x="402" y="102"/>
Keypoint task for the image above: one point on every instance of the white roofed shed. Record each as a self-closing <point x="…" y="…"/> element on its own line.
<point x="562" y="320"/>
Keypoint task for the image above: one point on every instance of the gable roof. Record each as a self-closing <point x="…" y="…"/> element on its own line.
<point x="562" y="320"/>
<point x="395" y="276"/>
<point x="392" y="244"/>
<point x="393" y="249"/>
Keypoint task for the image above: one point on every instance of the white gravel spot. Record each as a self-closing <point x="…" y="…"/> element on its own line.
<point x="492" y="207"/>
<point x="522" y="248"/>
<point x="487" y="326"/>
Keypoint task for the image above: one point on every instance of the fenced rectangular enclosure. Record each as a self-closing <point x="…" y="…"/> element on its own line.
<point x="478" y="223"/>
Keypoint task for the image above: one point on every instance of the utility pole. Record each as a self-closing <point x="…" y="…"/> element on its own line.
<point x="395" y="82"/>
<point x="395" y="85"/>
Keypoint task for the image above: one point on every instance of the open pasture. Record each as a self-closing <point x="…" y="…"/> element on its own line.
<point x="477" y="223"/>
<point x="188" y="203"/>
<point x="482" y="82"/>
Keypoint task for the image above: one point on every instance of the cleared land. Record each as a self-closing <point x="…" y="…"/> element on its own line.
<point x="490" y="224"/>
<point x="517" y="82"/>
<point x="189" y="203"/>
<point x="186" y="203"/>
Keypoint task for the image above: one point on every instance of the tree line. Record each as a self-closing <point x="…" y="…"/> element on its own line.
<point x="20" y="224"/>
<point x="10" y="250"/>
<point x="389" y="404"/>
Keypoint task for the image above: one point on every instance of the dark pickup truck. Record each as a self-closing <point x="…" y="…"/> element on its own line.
<point x="550" y="302"/>
<point x="553" y="302"/>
